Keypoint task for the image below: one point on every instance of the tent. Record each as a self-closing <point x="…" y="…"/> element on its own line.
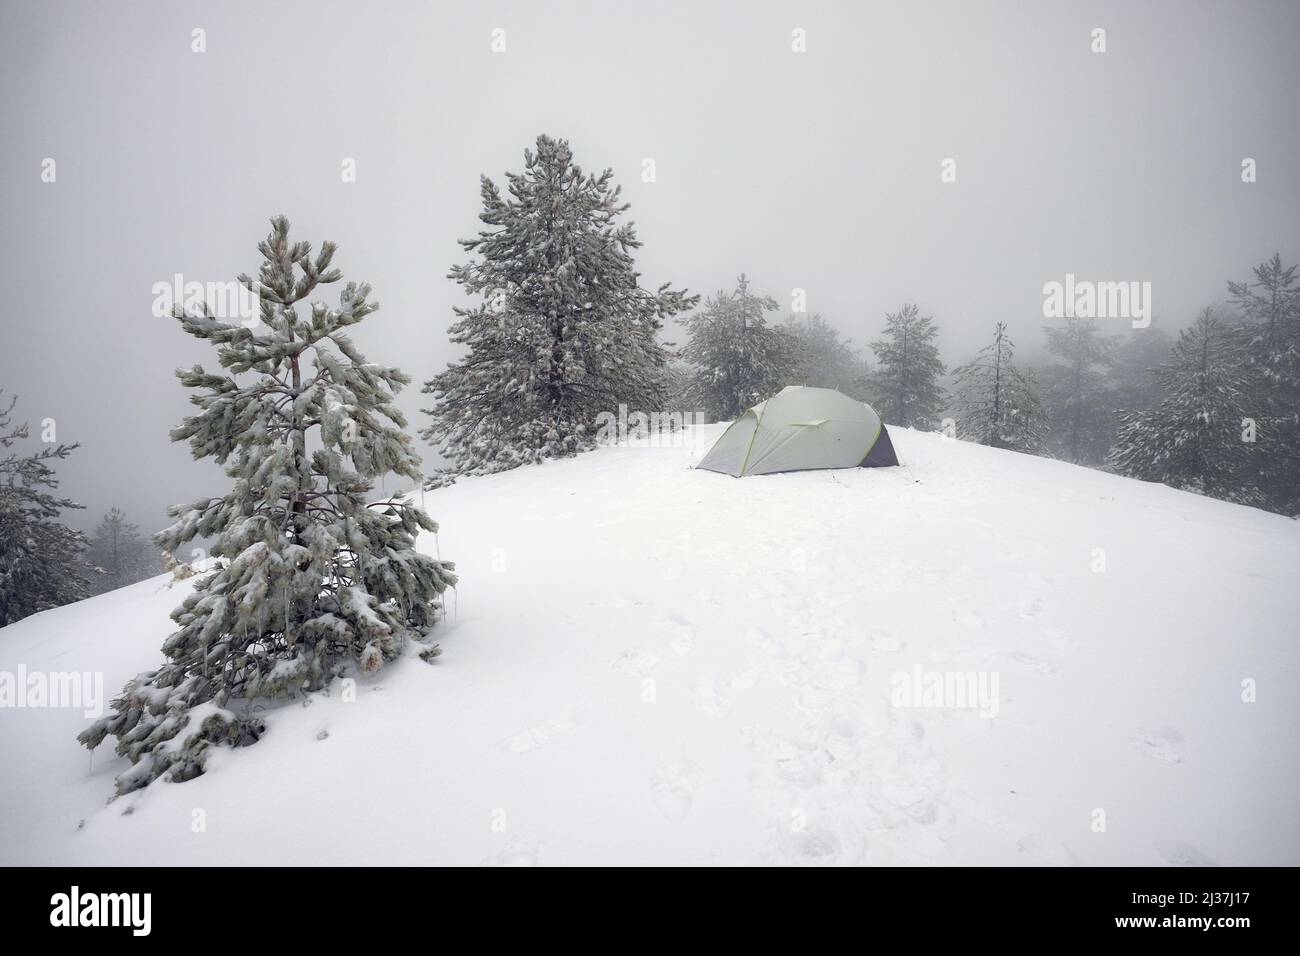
<point x="800" y="428"/>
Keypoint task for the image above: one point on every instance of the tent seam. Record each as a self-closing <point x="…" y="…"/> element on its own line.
<point x="729" y="428"/>
<point x="758" y="421"/>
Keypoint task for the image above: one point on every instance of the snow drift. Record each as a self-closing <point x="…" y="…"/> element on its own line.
<point x="649" y="663"/>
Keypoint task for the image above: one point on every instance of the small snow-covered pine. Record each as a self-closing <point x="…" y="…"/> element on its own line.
<point x="316" y="577"/>
<point x="119" y="554"/>
<point x="997" y="401"/>
<point x="908" y="386"/>
<point x="737" y="359"/>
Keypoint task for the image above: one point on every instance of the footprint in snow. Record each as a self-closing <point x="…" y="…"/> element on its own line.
<point x="1026" y="608"/>
<point x="796" y="840"/>
<point x="912" y="798"/>
<point x="708" y="597"/>
<point x="673" y="789"/>
<point x="1028" y="660"/>
<point x="521" y="851"/>
<point x="1058" y="640"/>
<point x="638" y="662"/>
<point x="1038" y="578"/>
<point x="1041" y="848"/>
<point x="1164" y="745"/>
<point x="1182" y="854"/>
<point x="535" y="737"/>
<point x="621" y="602"/>
<point x="885" y="643"/>
<point x="683" y="642"/>
<point x="816" y="846"/>
<point x="967" y="618"/>
<point x="943" y="655"/>
<point x="708" y="695"/>
<point x="743" y="680"/>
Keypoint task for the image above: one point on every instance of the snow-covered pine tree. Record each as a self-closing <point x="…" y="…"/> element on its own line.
<point x="909" y="369"/>
<point x="1077" y="391"/>
<point x="680" y="395"/>
<point x="564" y="330"/>
<point x="1191" y="438"/>
<point x="317" y="577"/>
<point x="1270" y="307"/>
<point x="824" y="359"/>
<point x="41" y="559"/>
<point x="1133" y="382"/>
<point x="998" y="402"/>
<point x="737" y="359"/>
<point x="119" y="554"/>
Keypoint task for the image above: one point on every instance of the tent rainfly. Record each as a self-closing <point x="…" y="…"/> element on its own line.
<point x="800" y="428"/>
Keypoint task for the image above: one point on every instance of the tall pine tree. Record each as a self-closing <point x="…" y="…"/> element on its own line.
<point x="41" y="559"/>
<point x="1192" y="437"/>
<point x="737" y="359"/>
<point x="1077" y="390"/>
<point x="1270" y="308"/>
<point x="119" y="555"/>
<point x="909" y="368"/>
<point x="1133" y="381"/>
<point x="317" y="577"/>
<point x="999" y="403"/>
<point x="564" y="330"/>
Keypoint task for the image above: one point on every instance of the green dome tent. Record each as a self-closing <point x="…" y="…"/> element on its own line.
<point x="800" y="428"/>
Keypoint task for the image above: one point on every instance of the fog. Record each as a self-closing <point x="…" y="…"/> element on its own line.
<point x="817" y="170"/>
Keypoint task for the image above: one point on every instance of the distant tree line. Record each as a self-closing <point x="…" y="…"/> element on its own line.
<point x="1215" y="410"/>
<point x="41" y="558"/>
<point x="44" y="563"/>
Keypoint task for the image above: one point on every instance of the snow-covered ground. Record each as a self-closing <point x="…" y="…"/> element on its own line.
<point x="653" y="664"/>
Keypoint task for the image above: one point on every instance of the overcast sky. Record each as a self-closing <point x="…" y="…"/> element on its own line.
<point x="817" y="170"/>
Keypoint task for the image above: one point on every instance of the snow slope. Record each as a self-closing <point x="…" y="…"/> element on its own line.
<point x="652" y="664"/>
